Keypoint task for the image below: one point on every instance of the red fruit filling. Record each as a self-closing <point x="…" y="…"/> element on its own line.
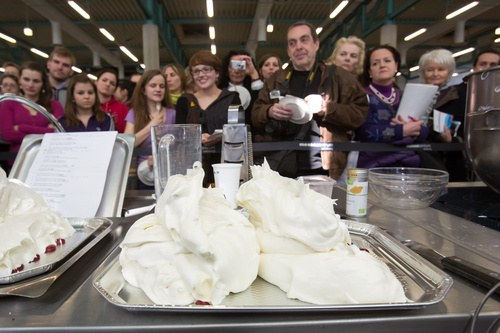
<point x="198" y="302"/>
<point x="35" y="259"/>
<point x="362" y="249"/>
<point x="51" y="248"/>
<point x="60" y="241"/>
<point x="19" y="269"/>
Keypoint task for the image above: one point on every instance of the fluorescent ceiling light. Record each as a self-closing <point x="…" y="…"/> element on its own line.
<point x="79" y="9"/>
<point x="28" y="32"/>
<point x="497" y="31"/>
<point x="414" y="68"/>
<point x="7" y="38"/>
<point x="107" y="34"/>
<point x="143" y="66"/>
<point x="210" y="8"/>
<point x="497" y="40"/>
<point x="285" y="65"/>
<point x="318" y="30"/>
<point x="270" y="27"/>
<point x="40" y="53"/>
<point x="92" y="77"/>
<point x="458" y="54"/>
<point x="339" y="8"/>
<point x="415" y="34"/>
<point x="2" y="69"/>
<point x="461" y="10"/>
<point x="213" y="49"/>
<point x="211" y="32"/>
<point x="127" y="52"/>
<point x="76" y="69"/>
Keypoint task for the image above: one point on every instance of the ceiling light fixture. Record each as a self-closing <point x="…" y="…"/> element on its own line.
<point x="497" y="31"/>
<point x="211" y="32"/>
<point x="461" y="10"/>
<point x="92" y="77"/>
<point x="454" y="74"/>
<point x="416" y="68"/>
<point x="127" y="52"/>
<point x="40" y="53"/>
<point x="270" y="27"/>
<point x="415" y="34"/>
<point x="210" y="8"/>
<point x="107" y="34"/>
<point x="497" y="40"/>
<point x="285" y="65"/>
<point x="28" y="32"/>
<point x="79" y="10"/>
<point x="213" y="49"/>
<point x="459" y="53"/>
<point x="318" y="30"/>
<point x="7" y="38"/>
<point x="76" y="69"/>
<point x="339" y="8"/>
<point x="143" y="66"/>
<point x="2" y="69"/>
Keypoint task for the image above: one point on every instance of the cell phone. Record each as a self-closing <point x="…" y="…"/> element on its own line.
<point x="239" y="65"/>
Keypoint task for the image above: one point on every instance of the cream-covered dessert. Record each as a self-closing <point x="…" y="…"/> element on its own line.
<point x="306" y="249"/>
<point x="28" y="226"/>
<point x="195" y="247"/>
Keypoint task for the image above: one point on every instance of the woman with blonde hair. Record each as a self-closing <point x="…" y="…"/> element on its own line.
<point x="349" y="53"/>
<point x="83" y="112"/>
<point x="176" y="81"/>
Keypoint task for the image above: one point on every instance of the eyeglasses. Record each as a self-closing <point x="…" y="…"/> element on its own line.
<point x="205" y="70"/>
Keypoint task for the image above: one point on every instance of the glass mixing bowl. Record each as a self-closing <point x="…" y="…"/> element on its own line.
<point x="407" y="188"/>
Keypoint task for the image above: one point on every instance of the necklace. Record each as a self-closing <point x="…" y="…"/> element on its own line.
<point x="389" y="100"/>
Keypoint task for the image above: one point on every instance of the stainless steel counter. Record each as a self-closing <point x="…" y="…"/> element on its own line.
<point x="72" y="303"/>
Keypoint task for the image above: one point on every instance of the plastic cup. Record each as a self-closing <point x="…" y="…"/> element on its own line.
<point x="227" y="177"/>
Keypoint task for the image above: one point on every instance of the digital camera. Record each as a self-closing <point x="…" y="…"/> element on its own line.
<point x="239" y="65"/>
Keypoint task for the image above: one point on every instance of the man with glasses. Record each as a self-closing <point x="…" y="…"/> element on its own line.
<point x="60" y="64"/>
<point x="342" y="107"/>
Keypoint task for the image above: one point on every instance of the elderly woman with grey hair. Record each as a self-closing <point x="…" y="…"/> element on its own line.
<point x="437" y="67"/>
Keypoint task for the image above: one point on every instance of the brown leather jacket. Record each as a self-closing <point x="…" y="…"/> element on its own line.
<point x="346" y="111"/>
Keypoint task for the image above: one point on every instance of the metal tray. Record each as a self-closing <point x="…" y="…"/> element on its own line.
<point x="116" y="177"/>
<point x="424" y="284"/>
<point x="83" y="229"/>
<point x="32" y="282"/>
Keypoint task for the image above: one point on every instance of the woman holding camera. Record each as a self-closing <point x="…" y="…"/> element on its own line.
<point x="208" y="106"/>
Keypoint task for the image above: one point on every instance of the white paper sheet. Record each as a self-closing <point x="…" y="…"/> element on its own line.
<point x="70" y="171"/>
<point x="416" y="100"/>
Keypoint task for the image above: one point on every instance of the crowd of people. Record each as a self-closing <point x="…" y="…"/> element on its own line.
<point x="202" y="92"/>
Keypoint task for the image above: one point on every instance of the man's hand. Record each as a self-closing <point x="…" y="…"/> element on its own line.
<point x="280" y="112"/>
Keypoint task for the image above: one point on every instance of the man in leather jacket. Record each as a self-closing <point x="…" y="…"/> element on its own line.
<point x="344" y="107"/>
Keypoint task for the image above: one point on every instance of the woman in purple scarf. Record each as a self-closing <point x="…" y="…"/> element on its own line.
<point x="381" y="63"/>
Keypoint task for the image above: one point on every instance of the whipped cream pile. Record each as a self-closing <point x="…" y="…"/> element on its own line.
<point x="306" y="249"/>
<point x="27" y="225"/>
<point x="195" y="247"/>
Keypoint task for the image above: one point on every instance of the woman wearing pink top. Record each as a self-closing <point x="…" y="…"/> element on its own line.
<point x="19" y="120"/>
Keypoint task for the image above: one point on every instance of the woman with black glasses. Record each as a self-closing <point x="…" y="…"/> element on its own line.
<point x="208" y="106"/>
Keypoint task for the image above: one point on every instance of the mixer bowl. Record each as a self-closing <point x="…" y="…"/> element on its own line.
<point x="482" y="125"/>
